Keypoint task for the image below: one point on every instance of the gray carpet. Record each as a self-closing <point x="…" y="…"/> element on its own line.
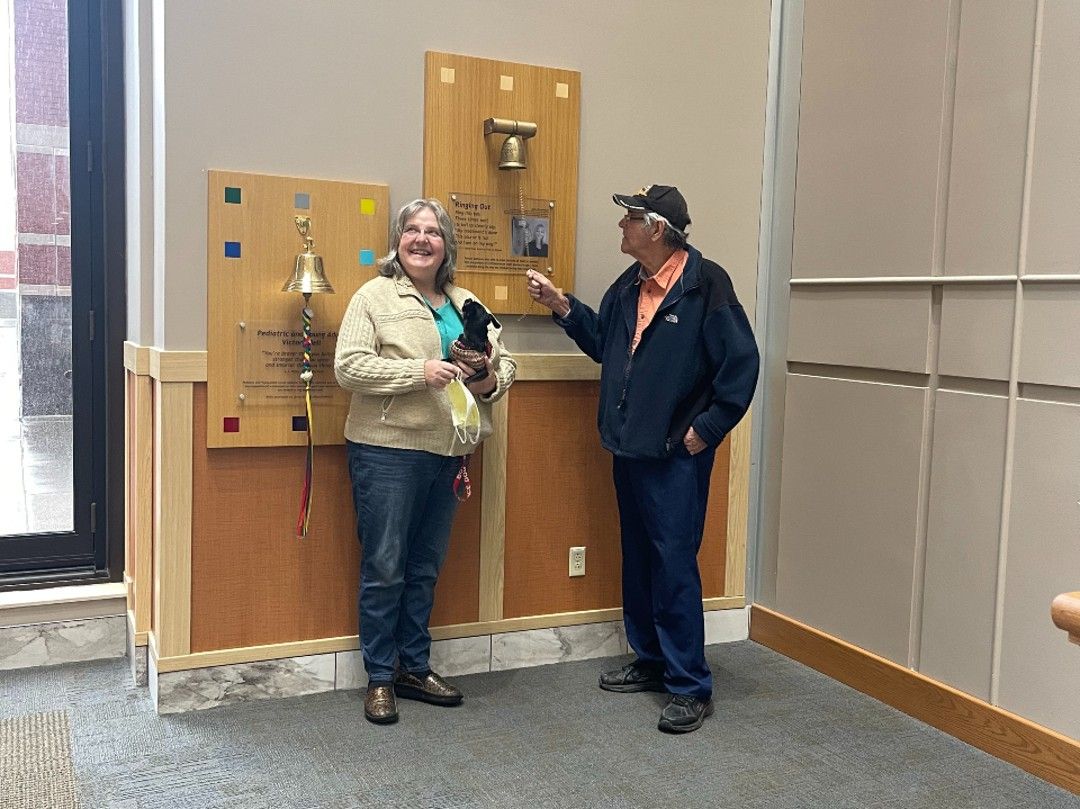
<point x="782" y="736"/>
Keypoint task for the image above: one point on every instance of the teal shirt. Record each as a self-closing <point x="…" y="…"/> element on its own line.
<point x="448" y="322"/>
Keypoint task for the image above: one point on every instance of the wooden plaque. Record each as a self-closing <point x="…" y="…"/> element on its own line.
<point x="491" y="208"/>
<point x="255" y="397"/>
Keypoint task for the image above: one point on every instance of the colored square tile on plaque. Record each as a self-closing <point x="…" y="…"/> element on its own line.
<point x="367" y="206"/>
<point x="230" y="424"/>
<point x="299" y="424"/>
<point x="232" y="195"/>
<point x="232" y="249"/>
<point x="302" y="201"/>
<point x="367" y="257"/>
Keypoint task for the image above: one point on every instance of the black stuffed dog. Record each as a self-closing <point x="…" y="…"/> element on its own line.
<point x="472" y="347"/>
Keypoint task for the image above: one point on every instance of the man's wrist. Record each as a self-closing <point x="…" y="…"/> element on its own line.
<point x="565" y="303"/>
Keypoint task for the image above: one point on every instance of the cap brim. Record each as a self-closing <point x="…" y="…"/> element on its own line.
<point x="628" y="201"/>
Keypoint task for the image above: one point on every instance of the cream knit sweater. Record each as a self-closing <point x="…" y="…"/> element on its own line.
<point x="387" y="335"/>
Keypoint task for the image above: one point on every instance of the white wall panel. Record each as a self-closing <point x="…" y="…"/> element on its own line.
<point x="963" y="527"/>
<point x="1054" y="239"/>
<point x="1040" y="669"/>
<point x="866" y="189"/>
<point x="976" y="330"/>
<point x="990" y="118"/>
<point x="848" y="509"/>
<point x="884" y="326"/>
<point x="1050" y="342"/>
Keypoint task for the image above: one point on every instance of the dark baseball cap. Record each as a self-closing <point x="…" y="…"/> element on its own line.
<point x="664" y="200"/>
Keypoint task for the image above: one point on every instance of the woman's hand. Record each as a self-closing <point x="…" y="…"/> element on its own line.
<point x="482" y="387"/>
<point x="547" y="294"/>
<point x="439" y="373"/>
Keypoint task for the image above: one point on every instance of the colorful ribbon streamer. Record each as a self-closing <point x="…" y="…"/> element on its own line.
<point x="309" y="468"/>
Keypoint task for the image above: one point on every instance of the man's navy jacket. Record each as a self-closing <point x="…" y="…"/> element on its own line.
<point x="696" y="363"/>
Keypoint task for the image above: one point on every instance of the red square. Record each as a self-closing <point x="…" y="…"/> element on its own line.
<point x="36" y="187"/>
<point x="231" y="424"/>
<point x="37" y="263"/>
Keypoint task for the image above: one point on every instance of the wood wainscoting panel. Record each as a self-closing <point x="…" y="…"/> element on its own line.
<point x="139" y="496"/>
<point x="254" y="583"/>
<point x="559" y="494"/>
<point x="1032" y="747"/>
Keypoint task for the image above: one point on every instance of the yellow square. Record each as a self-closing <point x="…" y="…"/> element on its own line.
<point x="447" y="75"/>
<point x="367" y="206"/>
<point x="562" y="90"/>
<point x="506" y="83"/>
<point x="501" y="293"/>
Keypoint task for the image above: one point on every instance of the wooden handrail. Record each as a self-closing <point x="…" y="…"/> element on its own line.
<point x="1065" y="610"/>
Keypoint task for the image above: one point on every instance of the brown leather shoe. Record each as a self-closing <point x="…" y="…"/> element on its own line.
<point x="432" y="689"/>
<point x="380" y="706"/>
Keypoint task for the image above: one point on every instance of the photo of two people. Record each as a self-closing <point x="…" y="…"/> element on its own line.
<point x="529" y="235"/>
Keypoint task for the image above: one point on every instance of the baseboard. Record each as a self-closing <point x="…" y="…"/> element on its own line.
<point x="1031" y="747"/>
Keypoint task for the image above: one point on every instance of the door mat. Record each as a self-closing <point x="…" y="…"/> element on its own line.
<point x="36" y="771"/>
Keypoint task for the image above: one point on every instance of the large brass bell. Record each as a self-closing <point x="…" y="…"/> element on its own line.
<point x="308" y="277"/>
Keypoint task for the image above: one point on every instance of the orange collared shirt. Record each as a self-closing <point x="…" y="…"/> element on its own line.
<point x="654" y="289"/>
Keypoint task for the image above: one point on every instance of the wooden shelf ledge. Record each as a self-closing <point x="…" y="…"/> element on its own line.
<point x="1065" y="611"/>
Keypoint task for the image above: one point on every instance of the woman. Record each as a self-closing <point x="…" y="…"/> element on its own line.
<point x="537" y="245"/>
<point x="406" y="461"/>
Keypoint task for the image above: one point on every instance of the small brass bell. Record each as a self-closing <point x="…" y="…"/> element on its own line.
<point x="512" y="154"/>
<point x="308" y="276"/>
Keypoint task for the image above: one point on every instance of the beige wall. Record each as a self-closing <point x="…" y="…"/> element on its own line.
<point x="926" y="508"/>
<point x="672" y="94"/>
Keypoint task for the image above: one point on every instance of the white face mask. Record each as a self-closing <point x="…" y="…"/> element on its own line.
<point x="464" y="412"/>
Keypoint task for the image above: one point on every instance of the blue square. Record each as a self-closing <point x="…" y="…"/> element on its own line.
<point x="232" y="195"/>
<point x="232" y="249"/>
<point x="302" y="201"/>
<point x="299" y="424"/>
<point x="367" y="257"/>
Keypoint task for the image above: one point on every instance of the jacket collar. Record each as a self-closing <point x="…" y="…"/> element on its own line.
<point x="628" y="293"/>
<point x="407" y="289"/>
<point x="455" y="294"/>
<point x="691" y="276"/>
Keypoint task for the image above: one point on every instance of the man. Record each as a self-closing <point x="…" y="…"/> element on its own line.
<point x="678" y="370"/>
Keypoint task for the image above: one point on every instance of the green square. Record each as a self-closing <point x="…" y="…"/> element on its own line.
<point x="232" y="196"/>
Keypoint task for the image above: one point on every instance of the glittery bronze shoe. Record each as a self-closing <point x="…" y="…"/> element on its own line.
<point x="432" y="689"/>
<point x="380" y="706"/>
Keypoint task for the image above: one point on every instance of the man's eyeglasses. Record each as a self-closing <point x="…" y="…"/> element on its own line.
<point x="633" y="216"/>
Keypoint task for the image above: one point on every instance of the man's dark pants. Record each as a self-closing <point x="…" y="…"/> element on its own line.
<point x="662" y="514"/>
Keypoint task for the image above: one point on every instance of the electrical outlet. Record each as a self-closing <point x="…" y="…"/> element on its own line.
<point x="577" y="561"/>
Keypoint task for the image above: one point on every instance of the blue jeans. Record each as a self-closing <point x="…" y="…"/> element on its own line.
<point x="405" y="508"/>
<point x="662" y="516"/>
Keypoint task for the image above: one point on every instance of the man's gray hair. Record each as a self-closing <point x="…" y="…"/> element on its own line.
<point x="390" y="264"/>
<point x="672" y="237"/>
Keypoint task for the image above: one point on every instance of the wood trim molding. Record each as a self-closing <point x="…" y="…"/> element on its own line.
<point x="1034" y="748"/>
<point x="347" y="643"/>
<point x="172" y="517"/>
<point x="190" y="366"/>
<point x="723" y="603"/>
<point x="136" y="358"/>
<point x="555" y="368"/>
<point x="138" y="638"/>
<point x="493" y="515"/>
<point x="1065" y="611"/>
<point x="177" y="366"/>
<point x="254" y="654"/>
<point x="141" y="532"/>
<point x="738" y="508"/>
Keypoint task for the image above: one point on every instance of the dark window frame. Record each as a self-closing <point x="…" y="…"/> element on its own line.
<point x="98" y="233"/>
